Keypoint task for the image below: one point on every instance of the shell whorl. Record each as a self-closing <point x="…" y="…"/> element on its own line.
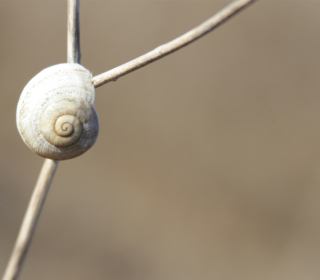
<point x="55" y="115"/>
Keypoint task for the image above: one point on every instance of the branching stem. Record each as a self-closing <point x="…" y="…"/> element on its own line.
<point x="49" y="168"/>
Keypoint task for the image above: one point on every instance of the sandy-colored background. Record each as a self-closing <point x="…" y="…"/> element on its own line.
<point x="207" y="165"/>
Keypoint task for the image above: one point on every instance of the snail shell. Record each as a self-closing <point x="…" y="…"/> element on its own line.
<point x="55" y="114"/>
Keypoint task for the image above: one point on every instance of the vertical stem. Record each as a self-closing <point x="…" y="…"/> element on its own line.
<point x="49" y="167"/>
<point x="74" y="54"/>
<point x="30" y="220"/>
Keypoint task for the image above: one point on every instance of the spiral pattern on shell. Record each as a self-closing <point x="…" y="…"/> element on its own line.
<point x="55" y="115"/>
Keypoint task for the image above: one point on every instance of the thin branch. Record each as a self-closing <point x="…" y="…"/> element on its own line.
<point x="49" y="168"/>
<point x="163" y="50"/>
<point x="30" y="220"/>
<point x="74" y="54"/>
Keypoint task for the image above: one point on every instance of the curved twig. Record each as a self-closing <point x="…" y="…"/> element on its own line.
<point x="176" y="44"/>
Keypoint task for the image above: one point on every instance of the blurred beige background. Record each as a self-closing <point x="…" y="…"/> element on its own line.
<point x="207" y="165"/>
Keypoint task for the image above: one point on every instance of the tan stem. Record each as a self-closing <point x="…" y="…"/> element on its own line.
<point x="73" y="37"/>
<point x="49" y="168"/>
<point x="165" y="49"/>
<point x="30" y="220"/>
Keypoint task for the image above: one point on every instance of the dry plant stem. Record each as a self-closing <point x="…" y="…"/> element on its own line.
<point x="30" y="220"/>
<point x="163" y="50"/>
<point x="49" y="168"/>
<point x="74" y="54"/>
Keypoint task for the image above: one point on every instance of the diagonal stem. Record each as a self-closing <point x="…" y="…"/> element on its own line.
<point x="30" y="220"/>
<point x="174" y="45"/>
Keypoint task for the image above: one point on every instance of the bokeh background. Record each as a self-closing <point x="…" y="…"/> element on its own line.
<point x="207" y="165"/>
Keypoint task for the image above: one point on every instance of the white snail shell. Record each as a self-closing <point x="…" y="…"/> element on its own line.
<point x="55" y="114"/>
